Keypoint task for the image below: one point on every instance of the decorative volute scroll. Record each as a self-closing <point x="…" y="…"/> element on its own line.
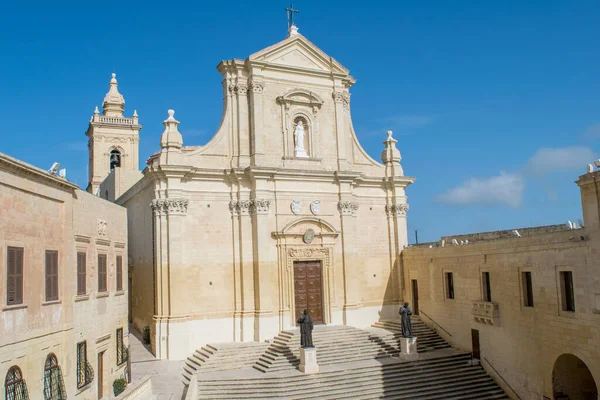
<point x="249" y="207"/>
<point x="342" y="97"/>
<point x="348" y="207"/>
<point x="396" y="210"/>
<point x="174" y="206"/>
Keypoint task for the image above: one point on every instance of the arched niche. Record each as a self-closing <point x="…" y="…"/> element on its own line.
<point x="296" y="105"/>
<point x="572" y="379"/>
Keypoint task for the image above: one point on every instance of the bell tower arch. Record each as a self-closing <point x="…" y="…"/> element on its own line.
<point x="113" y="139"/>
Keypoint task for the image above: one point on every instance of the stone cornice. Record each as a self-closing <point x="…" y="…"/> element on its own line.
<point x="169" y="206"/>
<point x="32" y="171"/>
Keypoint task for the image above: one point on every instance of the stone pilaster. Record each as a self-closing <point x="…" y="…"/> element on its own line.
<point x="168" y="215"/>
<point x="341" y="104"/>
<point x="348" y="210"/>
<point x="257" y="136"/>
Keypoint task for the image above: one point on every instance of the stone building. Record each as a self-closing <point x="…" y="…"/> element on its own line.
<point x="526" y="302"/>
<point x="281" y="211"/>
<point x="63" y="287"/>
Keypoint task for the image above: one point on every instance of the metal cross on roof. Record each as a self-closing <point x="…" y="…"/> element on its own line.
<point x="291" y="13"/>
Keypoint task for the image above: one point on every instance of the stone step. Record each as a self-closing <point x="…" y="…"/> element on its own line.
<point x="415" y="367"/>
<point x="354" y="376"/>
<point x="439" y="378"/>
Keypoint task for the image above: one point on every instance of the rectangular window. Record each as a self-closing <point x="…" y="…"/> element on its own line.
<point x="51" y="275"/>
<point x="449" y="285"/>
<point x="102" y="281"/>
<point x="85" y="374"/>
<point x="14" y="276"/>
<point x="566" y="289"/>
<point x="487" y="288"/>
<point x="119" y="273"/>
<point x="81" y="273"/>
<point x="527" y="289"/>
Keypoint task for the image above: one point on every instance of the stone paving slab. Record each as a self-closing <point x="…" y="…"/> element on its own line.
<point x="166" y="375"/>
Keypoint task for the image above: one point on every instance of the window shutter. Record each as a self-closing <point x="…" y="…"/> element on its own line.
<point x="81" y="273"/>
<point x="47" y="275"/>
<point x="102" y="273"/>
<point x="14" y="276"/>
<point x="51" y="275"/>
<point x="119" y="273"/>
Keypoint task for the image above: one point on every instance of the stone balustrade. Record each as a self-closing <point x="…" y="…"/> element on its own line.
<point x="485" y="312"/>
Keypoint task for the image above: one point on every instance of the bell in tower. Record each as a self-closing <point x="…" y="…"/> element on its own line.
<point x="115" y="159"/>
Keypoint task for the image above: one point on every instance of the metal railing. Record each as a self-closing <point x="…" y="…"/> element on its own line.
<point x="438" y="325"/>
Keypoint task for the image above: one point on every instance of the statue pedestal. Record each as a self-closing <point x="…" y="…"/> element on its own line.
<point x="408" y="346"/>
<point x="301" y="153"/>
<point x="308" y="360"/>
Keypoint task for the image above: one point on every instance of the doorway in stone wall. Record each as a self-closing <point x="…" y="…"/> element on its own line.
<point x="475" y="349"/>
<point x="572" y="379"/>
<point x="415" y="297"/>
<point x="308" y="289"/>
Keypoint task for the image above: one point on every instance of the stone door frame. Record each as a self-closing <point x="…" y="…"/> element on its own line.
<point x="290" y="248"/>
<point x="321" y="254"/>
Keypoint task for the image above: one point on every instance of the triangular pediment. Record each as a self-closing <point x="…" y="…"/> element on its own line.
<point x="298" y="52"/>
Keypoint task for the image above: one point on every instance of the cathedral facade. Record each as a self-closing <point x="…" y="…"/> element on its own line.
<point x="281" y="211"/>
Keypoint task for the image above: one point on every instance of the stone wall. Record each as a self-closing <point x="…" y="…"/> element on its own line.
<point x="523" y="343"/>
<point x="40" y="212"/>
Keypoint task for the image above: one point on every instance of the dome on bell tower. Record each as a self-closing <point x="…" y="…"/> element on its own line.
<point x="114" y="103"/>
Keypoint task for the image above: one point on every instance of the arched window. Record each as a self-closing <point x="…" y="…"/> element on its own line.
<point x="115" y="159"/>
<point x="15" y="387"/>
<point x="54" y="386"/>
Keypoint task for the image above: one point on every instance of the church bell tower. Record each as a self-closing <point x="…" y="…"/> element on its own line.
<point x="113" y="139"/>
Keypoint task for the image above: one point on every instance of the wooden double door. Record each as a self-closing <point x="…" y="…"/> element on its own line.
<point x="308" y="289"/>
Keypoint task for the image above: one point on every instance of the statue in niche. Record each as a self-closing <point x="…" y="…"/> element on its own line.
<point x="299" y="134"/>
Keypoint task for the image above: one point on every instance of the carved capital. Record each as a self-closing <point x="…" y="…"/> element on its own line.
<point x="169" y="206"/>
<point x="348" y="207"/>
<point x="257" y="87"/>
<point x="246" y="207"/>
<point x="259" y="206"/>
<point x="342" y="97"/>
<point x="396" y="210"/>
<point x="241" y="89"/>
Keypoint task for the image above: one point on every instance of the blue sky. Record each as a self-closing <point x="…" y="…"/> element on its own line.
<point x="495" y="105"/>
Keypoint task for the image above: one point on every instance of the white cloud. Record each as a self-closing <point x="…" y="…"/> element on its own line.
<point x="504" y="189"/>
<point x="559" y="159"/>
<point x="593" y="131"/>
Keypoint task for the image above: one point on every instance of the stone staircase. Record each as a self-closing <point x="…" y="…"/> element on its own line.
<point x="447" y="377"/>
<point x="427" y="338"/>
<point x="223" y="357"/>
<point x="335" y="344"/>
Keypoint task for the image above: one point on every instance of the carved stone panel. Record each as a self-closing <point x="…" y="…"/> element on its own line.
<point x="170" y="206"/>
<point x="348" y="207"/>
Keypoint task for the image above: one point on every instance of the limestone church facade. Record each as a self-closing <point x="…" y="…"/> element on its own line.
<point x="282" y="210"/>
